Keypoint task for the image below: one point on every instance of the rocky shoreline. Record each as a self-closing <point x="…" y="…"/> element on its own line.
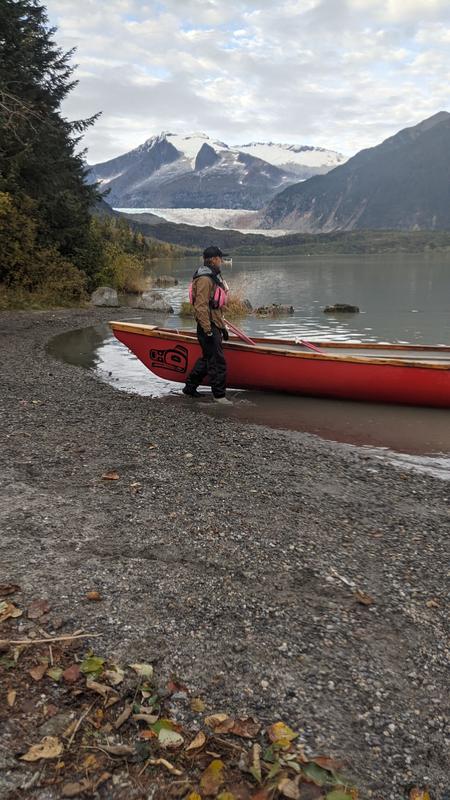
<point x="275" y="574"/>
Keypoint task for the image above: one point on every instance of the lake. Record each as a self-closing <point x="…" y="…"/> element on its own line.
<point x="402" y="298"/>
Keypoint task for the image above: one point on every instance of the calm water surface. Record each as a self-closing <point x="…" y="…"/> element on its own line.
<point x="402" y="298"/>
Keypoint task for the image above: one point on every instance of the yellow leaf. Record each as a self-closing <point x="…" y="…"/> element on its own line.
<point x="50" y="747"/>
<point x="194" y="796"/>
<point x="418" y="794"/>
<point x="281" y="734"/>
<point x="212" y="778"/>
<point x="226" y="796"/>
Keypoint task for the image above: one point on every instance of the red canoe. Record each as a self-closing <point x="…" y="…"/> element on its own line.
<point x="380" y="373"/>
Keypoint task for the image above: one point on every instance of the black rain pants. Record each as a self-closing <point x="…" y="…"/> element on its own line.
<point x="211" y="363"/>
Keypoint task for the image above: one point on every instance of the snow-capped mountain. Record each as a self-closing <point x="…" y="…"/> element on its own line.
<point x="194" y="171"/>
<point x="302" y="160"/>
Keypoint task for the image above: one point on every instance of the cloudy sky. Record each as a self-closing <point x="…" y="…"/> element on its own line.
<point x="343" y="74"/>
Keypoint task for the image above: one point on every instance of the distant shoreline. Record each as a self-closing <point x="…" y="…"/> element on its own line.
<point x="290" y="243"/>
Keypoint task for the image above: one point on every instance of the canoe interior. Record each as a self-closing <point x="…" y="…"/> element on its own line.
<point x="438" y="355"/>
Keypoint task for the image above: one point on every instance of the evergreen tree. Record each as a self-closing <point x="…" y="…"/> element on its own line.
<point x="38" y="147"/>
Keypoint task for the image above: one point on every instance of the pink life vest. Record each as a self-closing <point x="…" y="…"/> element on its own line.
<point x="219" y="298"/>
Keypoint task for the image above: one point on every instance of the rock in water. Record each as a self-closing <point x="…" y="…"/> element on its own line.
<point x="341" y="308"/>
<point x="274" y="310"/>
<point x="165" y="280"/>
<point x="105" y="296"/>
<point x="152" y="301"/>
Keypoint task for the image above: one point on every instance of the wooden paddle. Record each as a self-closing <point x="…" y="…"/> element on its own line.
<point x="241" y="335"/>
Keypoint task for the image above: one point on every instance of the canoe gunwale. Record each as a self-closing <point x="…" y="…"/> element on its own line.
<point x="153" y="331"/>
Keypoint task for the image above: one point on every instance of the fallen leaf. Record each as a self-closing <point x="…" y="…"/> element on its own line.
<point x="363" y="599"/>
<point x="152" y="446"/>
<point x="168" y="738"/>
<point x="226" y="796"/>
<point x="100" y="688"/>
<point x="114" y="675"/>
<point x="174" y="686"/>
<point x="11" y="697"/>
<point x="281" y="735"/>
<point x="317" y="775"/>
<point x="338" y="794"/>
<point x="8" y="588"/>
<point x="433" y="603"/>
<point x="247" y="727"/>
<point x="224" y="727"/>
<point x="49" y="747"/>
<point x="327" y="763"/>
<point x="261" y="794"/>
<point x="255" y="769"/>
<point x="143" y="670"/>
<point x="212" y="778"/>
<point x="37" y="609"/>
<point x="93" y="665"/>
<point x="90" y="762"/>
<point x="126" y="713"/>
<point x="215" y="719"/>
<point x="55" y="673"/>
<point x="197" y="742"/>
<point x="197" y="704"/>
<point x="418" y="794"/>
<point x="9" y="610"/>
<point x="289" y="789"/>
<point x="72" y="674"/>
<point x="194" y="796"/>
<point x="135" y="488"/>
<point x="118" y="749"/>
<point x="74" y="789"/>
<point x="111" y="476"/>
<point x="93" y="596"/>
<point x="38" y="672"/>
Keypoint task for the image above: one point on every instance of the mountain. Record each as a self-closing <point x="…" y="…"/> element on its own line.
<point x="300" y="160"/>
<point x="195" y="171"/>
<point x="401" y="184"/>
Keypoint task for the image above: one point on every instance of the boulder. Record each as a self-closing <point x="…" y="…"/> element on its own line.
<point x="274" y="310"/>
<point x="165" y="280"/>
<point x="105" y="296"/>
<point x="153" y="301"/>
<point x="341" y="308"/>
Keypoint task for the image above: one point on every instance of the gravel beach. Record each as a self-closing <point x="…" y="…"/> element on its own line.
<point x="236" y="563"/>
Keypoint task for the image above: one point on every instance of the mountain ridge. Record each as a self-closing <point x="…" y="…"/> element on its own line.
<point x="402" y="184"/>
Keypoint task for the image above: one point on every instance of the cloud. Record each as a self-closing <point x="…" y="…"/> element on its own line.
<point x="337" y="73"/>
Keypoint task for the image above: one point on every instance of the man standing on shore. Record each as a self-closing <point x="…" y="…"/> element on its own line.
<point x="208" y="294"/>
